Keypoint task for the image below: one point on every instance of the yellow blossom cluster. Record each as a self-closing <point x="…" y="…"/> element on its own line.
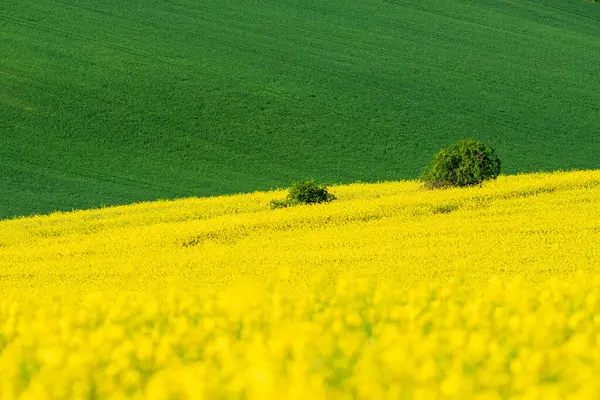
<point x="390" y="292"/>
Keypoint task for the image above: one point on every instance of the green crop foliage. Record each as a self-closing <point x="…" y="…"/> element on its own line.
<point x="115" y="102"/>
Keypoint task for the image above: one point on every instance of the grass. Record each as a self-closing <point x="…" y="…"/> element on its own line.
<point x="116" y="102"/>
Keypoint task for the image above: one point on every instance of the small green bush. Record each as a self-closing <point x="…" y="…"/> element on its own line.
<point x="465" y="163"/>
<point x="279" y="204"/>
<point x="304" y="192"/>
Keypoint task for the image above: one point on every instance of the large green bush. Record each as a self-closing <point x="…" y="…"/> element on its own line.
<point x="304" y="192"/>
<point x="465" y="163"/>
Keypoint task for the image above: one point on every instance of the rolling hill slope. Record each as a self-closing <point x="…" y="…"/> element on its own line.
<point x="389" y="292"/>
<point x="112" y="102"/>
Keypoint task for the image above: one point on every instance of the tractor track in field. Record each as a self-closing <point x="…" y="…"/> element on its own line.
<point x="72" y="35"/>
<point x="91" y="175"/>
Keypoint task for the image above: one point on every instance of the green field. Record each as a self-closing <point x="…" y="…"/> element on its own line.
<point x="111" y="102"/>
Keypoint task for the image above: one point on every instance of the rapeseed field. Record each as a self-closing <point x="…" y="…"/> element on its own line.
<point x="389" y="292"/>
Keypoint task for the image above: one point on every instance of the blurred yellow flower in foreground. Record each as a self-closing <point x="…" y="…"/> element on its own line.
<point x="389" y="292"/>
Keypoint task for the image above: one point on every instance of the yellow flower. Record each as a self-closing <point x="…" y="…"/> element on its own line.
<point x="376" y="295"/>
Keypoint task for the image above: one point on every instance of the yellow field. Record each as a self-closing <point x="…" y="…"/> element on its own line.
<point x="391" y="291"/>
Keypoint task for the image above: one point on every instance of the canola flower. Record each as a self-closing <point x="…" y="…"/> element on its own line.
<point x="390" y="292"/>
